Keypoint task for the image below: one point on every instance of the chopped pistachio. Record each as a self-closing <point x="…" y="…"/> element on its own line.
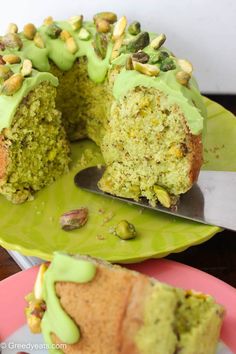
<point x="38" y="285"/>
<point x="74" y="219"/>
<point x="110" y="17"/>
<point x="167" y="64"/>
<point x="64" y="35"/>
<point x="157" y="42"/>
<point x="183" y="77"/>
<point x="34" y="323"/>
<point x="29" y="31"/>
<point x="129" y="63"/>
<point x="125" y="230"/>
<point x="53" y="31"/>
<point x="26" y="67"/>
<point x="185" y="65"/>
<point x="12" y="40"/>
<point x="141" y="57"/>
<point x="162" y="196"/>
<point x="139" y="42"/>
<point x="116" y="48"/>
<point x="155" y="58"/>
<point x="100" y="44"/>
<point x="119" y="28"/>
<point x="11" y="59"/>
<point x="102" y="26"/>
<point x="147" y="69"/>
<point x="84" y="34"/>
<point x="71" y="45"/>
<point x="12" y="28"/>
<point x="38" y="41"/>
<point x="134" y="28"/>
<point x="76" y="22"/>
<point x="48" y="21"/>
<point x="12" y="85"/>
<point x="5" y="73"/>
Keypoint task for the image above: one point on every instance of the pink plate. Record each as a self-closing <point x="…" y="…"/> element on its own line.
<point x="13" y="290"/>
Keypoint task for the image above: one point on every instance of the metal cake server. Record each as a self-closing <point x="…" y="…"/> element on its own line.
<point x="212" y="200"/>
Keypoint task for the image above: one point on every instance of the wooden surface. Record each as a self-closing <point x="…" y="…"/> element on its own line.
<point x="216" y="256"/>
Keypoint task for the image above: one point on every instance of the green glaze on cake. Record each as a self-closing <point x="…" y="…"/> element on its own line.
<point x="55" y="320"/>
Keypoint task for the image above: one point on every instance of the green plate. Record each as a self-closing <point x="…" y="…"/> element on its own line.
<point x="33" y="227"/>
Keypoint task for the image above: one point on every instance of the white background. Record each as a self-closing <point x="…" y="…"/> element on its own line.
<point x="204" y="31"/>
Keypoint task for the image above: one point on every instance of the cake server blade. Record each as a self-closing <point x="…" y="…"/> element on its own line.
<point x="212" y="200"/>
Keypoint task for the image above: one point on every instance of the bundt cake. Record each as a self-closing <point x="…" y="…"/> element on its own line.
<point x="108" y="81"/>
<point x="91" y="307"/>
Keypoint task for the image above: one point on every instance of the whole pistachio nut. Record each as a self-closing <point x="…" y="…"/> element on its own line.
<point x="74" y="219"/>
<point x="12" y="28"/>
<point x="64" y="35"/>
<point x="129" y="63"/>
<point x="26" y="67"/>
<point x="100" y="44"/>
<point x="139" y="42"/>
<point x="125" y="230"/>
<point x="134" y="28"/>
<point x="110" y="17"/>
<point x="84" y="34"/>
<point x="183" y="78"/>
<point x="11" y="59"/>
<point x="185" y="65"/>
<point x="167" y="64"/>
<point x="116" y="48"/>
<point x="146" y="69"/>
<point x="53" y="31"/>
<point x="48" y="21"/>
<point x="38" y="41"/>
<point x="76" y="22"/>
<point x="157" y="42"/>
<point x="12" y="85"/>
<point x="162" y="196"/>
<point x="119" y="28"/>
<point x="141" y="57"/>
<point x="102" y="26"/>
<point x="71" y="45"/>
<point x="29" y="31"/>
<point x="12" y="40"/>
<point x="5" y="73"/>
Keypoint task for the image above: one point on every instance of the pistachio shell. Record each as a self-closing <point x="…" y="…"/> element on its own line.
<point x="110" y="17"/>
<point x="53" y="31"/>
<point x="102" y="26"/>
<point x="183" y="77"/>
<point x="76" y="22"/>
<point x="141" y="57"/>
<point x="29" y="31"/>
<point x="157" y="42"/>
<point x="5" y="72"/>
<point x="134" y="28"/>
<point x="38" y="41"/>
<point x="185" y="65"/>
<point x="147" y="69"/>
<point x="48" y="21"/>
<point x="12" y="40"/>
<point x="139" y="42"/>
<point x="119" y="28"/>
<point x="71" y="45"/>
<point x="26" y="67"/>
<point x="162" y="196"/>
<point x="84" y="35"/>
<point x="12" y="28"/>
<point x="12" y="85"/>
<point x="116" y="48"/>
<point x="64" y="35"/>
<point x="100" y="44"/>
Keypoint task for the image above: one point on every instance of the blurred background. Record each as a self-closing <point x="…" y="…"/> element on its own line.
<point x="204" y="31"/>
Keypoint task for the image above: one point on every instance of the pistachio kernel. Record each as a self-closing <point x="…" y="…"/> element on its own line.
<point x="84" y="35"/>
<point x="12" y="40"/>
<point x="48" y="21"/>
<point x="110" y="17"/>
<point x="38" y="285"/>
<point x="102" y="26"/>
<point x="134" y="28"/>
<point x="53" y="31"/>
<point x="162" y="196"/>
<point x="185" y="65"/>
<point x="38" y="41"/>
<point x="74" y="219"/>
<point x="12" y="85"/>
<point x="100" y="44"/>
<point x="5" y="72"/>
<point x="167" y="64"/>
<point x="141" y="41"/>
<point x="64" y="35"/>
<point x="157" y="42"/>
<point x="12" y="28"/>
<point x="29" y="31"/>
<point x="183" y="78"/>
<point x="26" y="67"/>
<point x="71" y="45"/>
<point x="147" y="69"/>
<point x="125" y="230"/>
<point x="129" y="63"/>
<point x="119" y="28"/>
<point x="116" y="48"/>
<point x="76" y="22"/>
<point x="11" y="59"/>
<point x="141" y="57"/>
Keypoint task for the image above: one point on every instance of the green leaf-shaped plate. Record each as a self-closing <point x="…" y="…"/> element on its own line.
<point x="33" y="227"/>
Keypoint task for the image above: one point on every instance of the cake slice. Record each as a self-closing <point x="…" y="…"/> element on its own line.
<point x="91" y="307"/>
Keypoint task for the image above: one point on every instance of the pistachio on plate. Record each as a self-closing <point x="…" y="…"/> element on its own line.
<point x="74" y="219"/>
<point x="125" y="230"/>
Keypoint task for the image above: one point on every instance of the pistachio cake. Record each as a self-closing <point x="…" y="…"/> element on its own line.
<point x="93" y="307"/>
<point x="108" y="81"/>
